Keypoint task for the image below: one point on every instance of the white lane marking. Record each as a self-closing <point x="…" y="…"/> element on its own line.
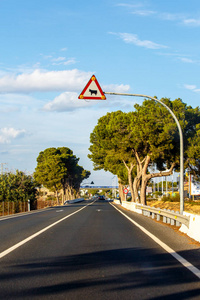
<point x="182" y="260"/>
<point x="59" y="210"/>
<point x="9" y="250"/>
<point x="24" y="214"/>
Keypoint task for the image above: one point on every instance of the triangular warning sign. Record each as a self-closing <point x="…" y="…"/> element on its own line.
<point x="92" y="91"/>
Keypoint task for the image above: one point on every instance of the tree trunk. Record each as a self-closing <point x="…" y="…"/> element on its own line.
<point x="64" y="193"/>
<point x="130" y="180"/>
<point x="137" y="179"/>
<point x="144" y="180"/>
<point x="136" y="184"/>
<point x="70" y="193"/>
<point x="146" y="177"/>
<point x="57" y="197"/>
<point x="121" y="193"/>
<point x="143" y="191"/>
<point x="67" y="193"/>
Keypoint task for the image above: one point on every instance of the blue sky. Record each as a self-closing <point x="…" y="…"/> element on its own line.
<point x="49" y="50"/>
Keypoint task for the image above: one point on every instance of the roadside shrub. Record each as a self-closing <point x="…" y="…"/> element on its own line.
<point x="157" y="194"/>
<point x="169" y="198"/>
<point x="166" y="198"/>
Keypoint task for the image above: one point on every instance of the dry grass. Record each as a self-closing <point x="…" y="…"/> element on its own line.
<point x="189" y="206"/>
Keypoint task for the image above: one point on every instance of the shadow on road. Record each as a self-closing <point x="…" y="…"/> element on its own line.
<point x="132" y="273"/>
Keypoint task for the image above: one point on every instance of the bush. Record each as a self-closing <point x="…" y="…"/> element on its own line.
<point x="157" y="194"/>
<point x="169" y="198"/>
<point x="166" y="198"/>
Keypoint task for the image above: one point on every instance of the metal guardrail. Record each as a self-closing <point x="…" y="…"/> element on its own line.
<point x="169" y="216"/>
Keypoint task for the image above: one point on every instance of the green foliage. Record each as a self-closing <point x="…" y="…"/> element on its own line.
<point x="108" y="144"/>
<point x="50" y="169"/>
<point x="157" y="194"/>
<point x="57" y="168"/>
<point x="169" y="198"/>
<point x="149" y="135"/>
<point x="94" y="192"/>
<point x="154" y="132"/>
<point x="17" y="187"/>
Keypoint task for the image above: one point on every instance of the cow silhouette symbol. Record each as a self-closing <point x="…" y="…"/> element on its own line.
<point x="93" y="92"/>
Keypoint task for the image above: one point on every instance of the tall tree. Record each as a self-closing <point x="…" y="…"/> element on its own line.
<point x="141" y="138"/>
<point x="159" y="138"/>
<point x="104" y="149"/>
<point x="57" y="168"/>
<point x="50" y="170"/>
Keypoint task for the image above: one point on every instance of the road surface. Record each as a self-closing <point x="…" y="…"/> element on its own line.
<point x="89" y="250"/>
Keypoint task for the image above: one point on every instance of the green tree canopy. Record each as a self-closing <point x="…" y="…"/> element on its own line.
<point x="57" y="168"/>
<point x="17" y="187"/>
<point x="141" y="138"/>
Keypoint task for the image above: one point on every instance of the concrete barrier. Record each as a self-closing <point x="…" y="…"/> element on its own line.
<point x="192" y="230"/>
<point x="128" y="205"/>
<point x="74" y="200"/>
<point x="194" y="227"/>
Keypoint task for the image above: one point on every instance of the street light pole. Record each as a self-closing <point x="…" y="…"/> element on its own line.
<point x="181" y="142"/>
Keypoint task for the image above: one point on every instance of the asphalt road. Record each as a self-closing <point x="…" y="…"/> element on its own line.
<point x="91" y="251"/>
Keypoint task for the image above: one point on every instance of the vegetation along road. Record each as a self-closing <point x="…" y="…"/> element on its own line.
<point x="90" y="250"/>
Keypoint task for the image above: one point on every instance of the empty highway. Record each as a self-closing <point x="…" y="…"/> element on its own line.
<point x="89" y="250"/>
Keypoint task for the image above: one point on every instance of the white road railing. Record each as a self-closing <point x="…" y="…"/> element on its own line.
<point x="190" y="223"/>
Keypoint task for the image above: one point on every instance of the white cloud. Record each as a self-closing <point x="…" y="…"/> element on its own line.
<point x="64" y="62"/>
<point x="63" y="49"/>
<point x="116" y="88"/>
<point x="44" y="81"/>
<point x="133" y="39"/>
<point x="70" y="61"/>
<point x="141" y="9"/>
<point x="7" y="134"/>
<point x="192" y="87"/>
<point x="137" y="9"/>
<point x="171" y="16"/>
<point x="187" y="60"/>
<point x="130" y="5"/>
<point x="192" y="22"/>
<point x="61" y="58"/>
<point x="182" y="57"/>
<point x="46" y="56"/>
<point x="67" y="101"/>
<point x="143" y="12"/>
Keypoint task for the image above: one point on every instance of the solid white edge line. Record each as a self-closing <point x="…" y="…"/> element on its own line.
<point x="178" y="257"/>
<point x="24" y="214"/>
<point x="9" y="250"/>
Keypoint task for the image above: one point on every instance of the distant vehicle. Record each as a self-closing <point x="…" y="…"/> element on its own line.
<point x="101" y="198"/>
